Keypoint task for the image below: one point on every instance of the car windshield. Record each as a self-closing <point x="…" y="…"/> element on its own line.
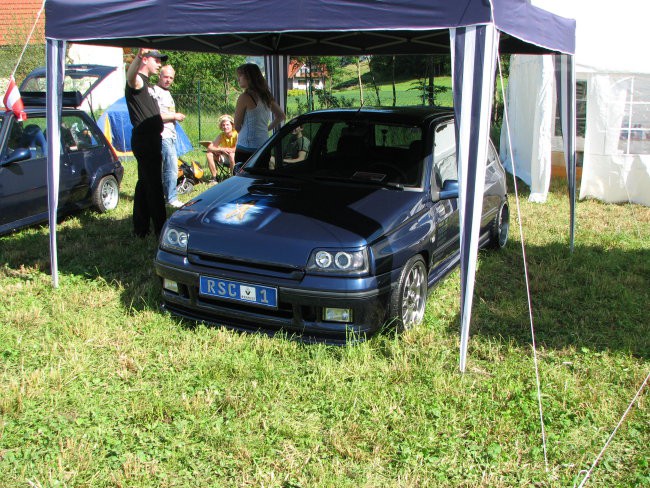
<point x="362" y="152"/>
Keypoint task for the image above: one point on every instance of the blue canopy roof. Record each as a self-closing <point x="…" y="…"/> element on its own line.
<point x="295" y="27"/>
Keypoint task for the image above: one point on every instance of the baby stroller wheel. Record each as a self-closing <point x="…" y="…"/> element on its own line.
<point x="184" y="186"/>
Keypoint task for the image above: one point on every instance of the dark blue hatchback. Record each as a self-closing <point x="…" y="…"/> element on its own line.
<point x="90" y="171"/>
<point x="337" y="227"/>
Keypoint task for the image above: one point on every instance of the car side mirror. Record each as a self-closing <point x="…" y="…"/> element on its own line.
<point x="449" y="190"/>
<point x="19" y="154"/>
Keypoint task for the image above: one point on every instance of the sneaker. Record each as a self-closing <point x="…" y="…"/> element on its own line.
<point x="175" y="203"/>
<point x="212" y="181"/>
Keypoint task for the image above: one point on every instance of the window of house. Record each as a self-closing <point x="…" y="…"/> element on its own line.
<point x="635" y="128"/>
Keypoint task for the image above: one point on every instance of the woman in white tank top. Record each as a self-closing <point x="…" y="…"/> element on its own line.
<point x="253" y="112"/>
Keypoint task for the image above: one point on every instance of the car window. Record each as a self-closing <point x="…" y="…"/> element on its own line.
<point x="353" y="151"/>
<point x="397" y="136"/>
<point x="334" y="135"/>
<point x="77" y="134"/>
<point x="29" y="134"/>
<point x="493" y="173"/>
<point x="445" y="166"/>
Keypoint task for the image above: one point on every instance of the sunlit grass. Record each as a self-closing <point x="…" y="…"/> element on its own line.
<point x="98" y="387"/>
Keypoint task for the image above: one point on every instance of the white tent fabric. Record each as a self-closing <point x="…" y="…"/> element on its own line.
<point x="617" y="75"/>
<point x="532" y="116"/>
<point x="609" y="35"/>
<point x="616" y="164"/>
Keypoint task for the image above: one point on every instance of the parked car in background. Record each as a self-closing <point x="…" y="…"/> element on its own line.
<point x="90" y="171"/>
<point x="336" y="228"/>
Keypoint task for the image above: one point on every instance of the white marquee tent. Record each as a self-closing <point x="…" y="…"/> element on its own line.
<point x="613" y="85"/>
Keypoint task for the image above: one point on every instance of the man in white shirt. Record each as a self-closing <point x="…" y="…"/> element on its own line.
<point x="169" y="156"/>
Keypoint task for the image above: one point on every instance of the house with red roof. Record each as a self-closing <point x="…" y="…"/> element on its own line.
<point x="17" y="18"/>
<point x="299" y="74"/>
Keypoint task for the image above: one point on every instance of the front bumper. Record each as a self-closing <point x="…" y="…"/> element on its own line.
<point x="299" y="312"/>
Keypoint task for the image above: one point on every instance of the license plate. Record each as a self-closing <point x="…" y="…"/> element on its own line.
<point x="265" y="296"/>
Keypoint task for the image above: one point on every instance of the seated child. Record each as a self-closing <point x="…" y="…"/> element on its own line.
<point x="222" y="149"/>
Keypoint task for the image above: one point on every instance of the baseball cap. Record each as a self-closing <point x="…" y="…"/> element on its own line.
<point x="157" y="54"/>
<point x="225" y="117"/>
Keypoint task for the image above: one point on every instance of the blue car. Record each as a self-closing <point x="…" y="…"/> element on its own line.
<point x="90" y="171"/>
<point x="335" y="229"/>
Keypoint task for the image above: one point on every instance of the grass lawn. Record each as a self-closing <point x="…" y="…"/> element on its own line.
<point x="99" y="388"/>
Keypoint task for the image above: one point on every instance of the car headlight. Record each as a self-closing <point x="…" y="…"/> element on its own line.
<point x="174" y="240"/>
<point x="339" y="261"/>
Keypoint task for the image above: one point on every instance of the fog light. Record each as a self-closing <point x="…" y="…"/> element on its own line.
<point x="337" y="314"/>
<point x="170" y="285"/>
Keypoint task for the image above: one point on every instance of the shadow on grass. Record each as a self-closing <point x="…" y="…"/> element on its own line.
<point x="99" y="247"/>
<point x="594" y="298"/>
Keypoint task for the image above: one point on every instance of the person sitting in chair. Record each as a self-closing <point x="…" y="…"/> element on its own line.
<point x="222" y="149"/>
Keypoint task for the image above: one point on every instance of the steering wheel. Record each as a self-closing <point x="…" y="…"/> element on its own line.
<point x="393" y="170"/>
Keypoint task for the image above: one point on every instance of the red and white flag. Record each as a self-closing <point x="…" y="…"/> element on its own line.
<point x="13" y="101"/>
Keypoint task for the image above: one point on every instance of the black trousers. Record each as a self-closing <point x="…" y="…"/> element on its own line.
<point x="148" y="200"/>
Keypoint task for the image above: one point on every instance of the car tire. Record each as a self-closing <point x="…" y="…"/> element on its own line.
<point x="499" y="227"/>
<point x="409" y="295"/>
<point x="107" y="194"/>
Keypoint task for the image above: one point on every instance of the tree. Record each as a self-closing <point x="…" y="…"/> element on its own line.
<point x="215" y="72"/>
<point x="373" y="80"/>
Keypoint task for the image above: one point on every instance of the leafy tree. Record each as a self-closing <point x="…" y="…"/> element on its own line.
<point x="214" y="72"/>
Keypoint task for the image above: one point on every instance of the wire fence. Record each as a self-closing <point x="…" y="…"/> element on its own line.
<point x="202" y="110"/>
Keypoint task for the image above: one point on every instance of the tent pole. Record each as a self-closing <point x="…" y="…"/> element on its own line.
<point x="276" y="69"/>
<point x="565" y="80"/>
<point x="55" y="65"/>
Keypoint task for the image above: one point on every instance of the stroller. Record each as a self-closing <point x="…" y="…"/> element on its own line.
<point x="189" y="174"/>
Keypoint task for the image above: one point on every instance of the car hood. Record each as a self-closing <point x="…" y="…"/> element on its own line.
<point x="284" y="220"/>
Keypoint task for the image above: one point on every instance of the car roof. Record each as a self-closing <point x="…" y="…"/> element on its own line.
<point x="39" y="111"/>
<point x="406" y="115"/>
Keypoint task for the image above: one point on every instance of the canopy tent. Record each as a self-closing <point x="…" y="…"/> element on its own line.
<point x="116" y="126"/>
<point x="473" y="30"/>
<point x="613" y="78"/>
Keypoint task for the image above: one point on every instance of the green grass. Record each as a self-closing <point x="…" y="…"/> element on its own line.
<point x="99" y="388"/>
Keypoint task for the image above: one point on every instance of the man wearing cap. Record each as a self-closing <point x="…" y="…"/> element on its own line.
<point x="146" y="142"/>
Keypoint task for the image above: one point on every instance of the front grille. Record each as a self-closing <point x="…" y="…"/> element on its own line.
<point x="247" y="266"/>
